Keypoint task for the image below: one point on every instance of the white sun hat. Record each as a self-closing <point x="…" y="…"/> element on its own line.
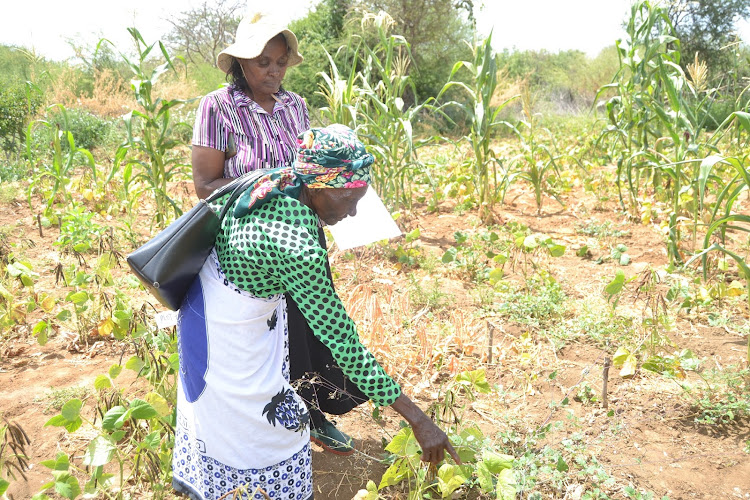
<point x="253" y="33"/>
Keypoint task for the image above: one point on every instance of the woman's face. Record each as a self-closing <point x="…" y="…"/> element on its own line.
<point x="265" y="72"/>
<point x="335" y="204"/>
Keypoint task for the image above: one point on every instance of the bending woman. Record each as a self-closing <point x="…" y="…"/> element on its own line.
<point x="240" y="425"/>
<point x="254" y="123"/>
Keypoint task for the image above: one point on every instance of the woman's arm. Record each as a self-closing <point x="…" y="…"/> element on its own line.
<point x="208" y="170"/>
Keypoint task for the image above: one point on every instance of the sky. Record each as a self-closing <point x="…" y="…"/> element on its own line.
<point x="552" y="25"/>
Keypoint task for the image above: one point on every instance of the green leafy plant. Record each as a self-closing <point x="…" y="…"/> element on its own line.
<point x="136" y="435"/>
<point x="52" y="178"/>
<point x="78" y="230"/>
<point x="19" y="103"/>
<point x="481" y="257"/>
<point x="484" y="119"/>
<point x="483" y="466"/>
<point x="148" y="153"/>
<point x="722" y="396"/>
<point x="539" y="165"/>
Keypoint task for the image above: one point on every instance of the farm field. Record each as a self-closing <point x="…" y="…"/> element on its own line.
<point x="569" y="299"/>
<point x="544" y="405"/>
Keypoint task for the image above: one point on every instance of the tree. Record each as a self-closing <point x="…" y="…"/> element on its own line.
<point x="201" y="33"/>
<point x="320" y="31"/>
<point x="436" y="31"/>
<point x="707" y="27"/>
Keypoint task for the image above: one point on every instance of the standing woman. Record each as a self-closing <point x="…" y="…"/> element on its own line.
<point x="242" y="431"/>
<point x="254" y="123"/>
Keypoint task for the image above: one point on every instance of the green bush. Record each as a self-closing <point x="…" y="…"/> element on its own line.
<point x="18" y="103"/>
<point x="88" y="129"/>
<point x="718" y="112"/>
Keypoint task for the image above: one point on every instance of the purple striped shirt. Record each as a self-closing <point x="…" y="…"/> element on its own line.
<point x="261" y="140"/>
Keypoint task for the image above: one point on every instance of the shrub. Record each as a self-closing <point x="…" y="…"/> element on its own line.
<point x="89" y="130"/>
<point x="18" y="103"/>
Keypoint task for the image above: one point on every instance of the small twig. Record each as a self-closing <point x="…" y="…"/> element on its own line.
<point x="490" y="333"/>
<point x="39" y="223"/>
<point x="605" y="378"/>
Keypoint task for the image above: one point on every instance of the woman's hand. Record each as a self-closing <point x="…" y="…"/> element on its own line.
<point x="431" y="438"/>
<point x="433" y="441"/>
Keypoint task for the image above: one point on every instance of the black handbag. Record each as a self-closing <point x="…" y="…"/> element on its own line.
<point x="168" y="263"/>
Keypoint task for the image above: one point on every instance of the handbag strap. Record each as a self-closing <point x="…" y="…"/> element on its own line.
<point x="236" y="187"/>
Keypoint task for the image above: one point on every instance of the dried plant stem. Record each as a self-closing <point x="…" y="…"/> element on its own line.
<point x="605" y="379"/>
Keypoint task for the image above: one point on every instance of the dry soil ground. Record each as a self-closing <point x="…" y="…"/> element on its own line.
<point x="649" y="439"/>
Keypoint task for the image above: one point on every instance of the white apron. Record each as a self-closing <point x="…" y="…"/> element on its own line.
<point x="239" y="422"/>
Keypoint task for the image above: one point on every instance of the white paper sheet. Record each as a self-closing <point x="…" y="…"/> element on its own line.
<point x="372" y="223"/>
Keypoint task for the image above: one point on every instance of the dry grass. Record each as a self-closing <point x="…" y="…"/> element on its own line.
<point x="111" y="96"/>
<point x="413" y="344"/>
<point x="506" y="88"/>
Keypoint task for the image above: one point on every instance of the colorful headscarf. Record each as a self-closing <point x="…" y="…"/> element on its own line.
<point x="329" y="157"/>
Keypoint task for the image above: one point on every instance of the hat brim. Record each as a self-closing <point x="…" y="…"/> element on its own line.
<point x="248" y="50"/>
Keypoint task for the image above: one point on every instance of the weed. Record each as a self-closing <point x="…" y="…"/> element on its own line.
<point x="601" y="229"/>
<point x="56" y="398"/>
<point x="586" y="394"/>
<point x="432" y="297"/>
<point x="540" y="301"/>
<point x="723" y="396"/>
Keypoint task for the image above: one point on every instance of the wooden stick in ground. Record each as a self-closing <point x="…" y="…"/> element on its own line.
<point x="605" y="377"/>
<point x="39" y="223"/>
<point x="490" y="332"/>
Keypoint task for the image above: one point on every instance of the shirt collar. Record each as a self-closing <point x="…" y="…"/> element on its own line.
<point x="282" y="98"/>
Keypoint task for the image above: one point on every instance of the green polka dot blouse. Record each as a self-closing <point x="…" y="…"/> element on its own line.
<point x="275" y="250"/>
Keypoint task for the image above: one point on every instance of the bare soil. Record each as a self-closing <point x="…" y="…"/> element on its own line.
<point x="647" y="437"/>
